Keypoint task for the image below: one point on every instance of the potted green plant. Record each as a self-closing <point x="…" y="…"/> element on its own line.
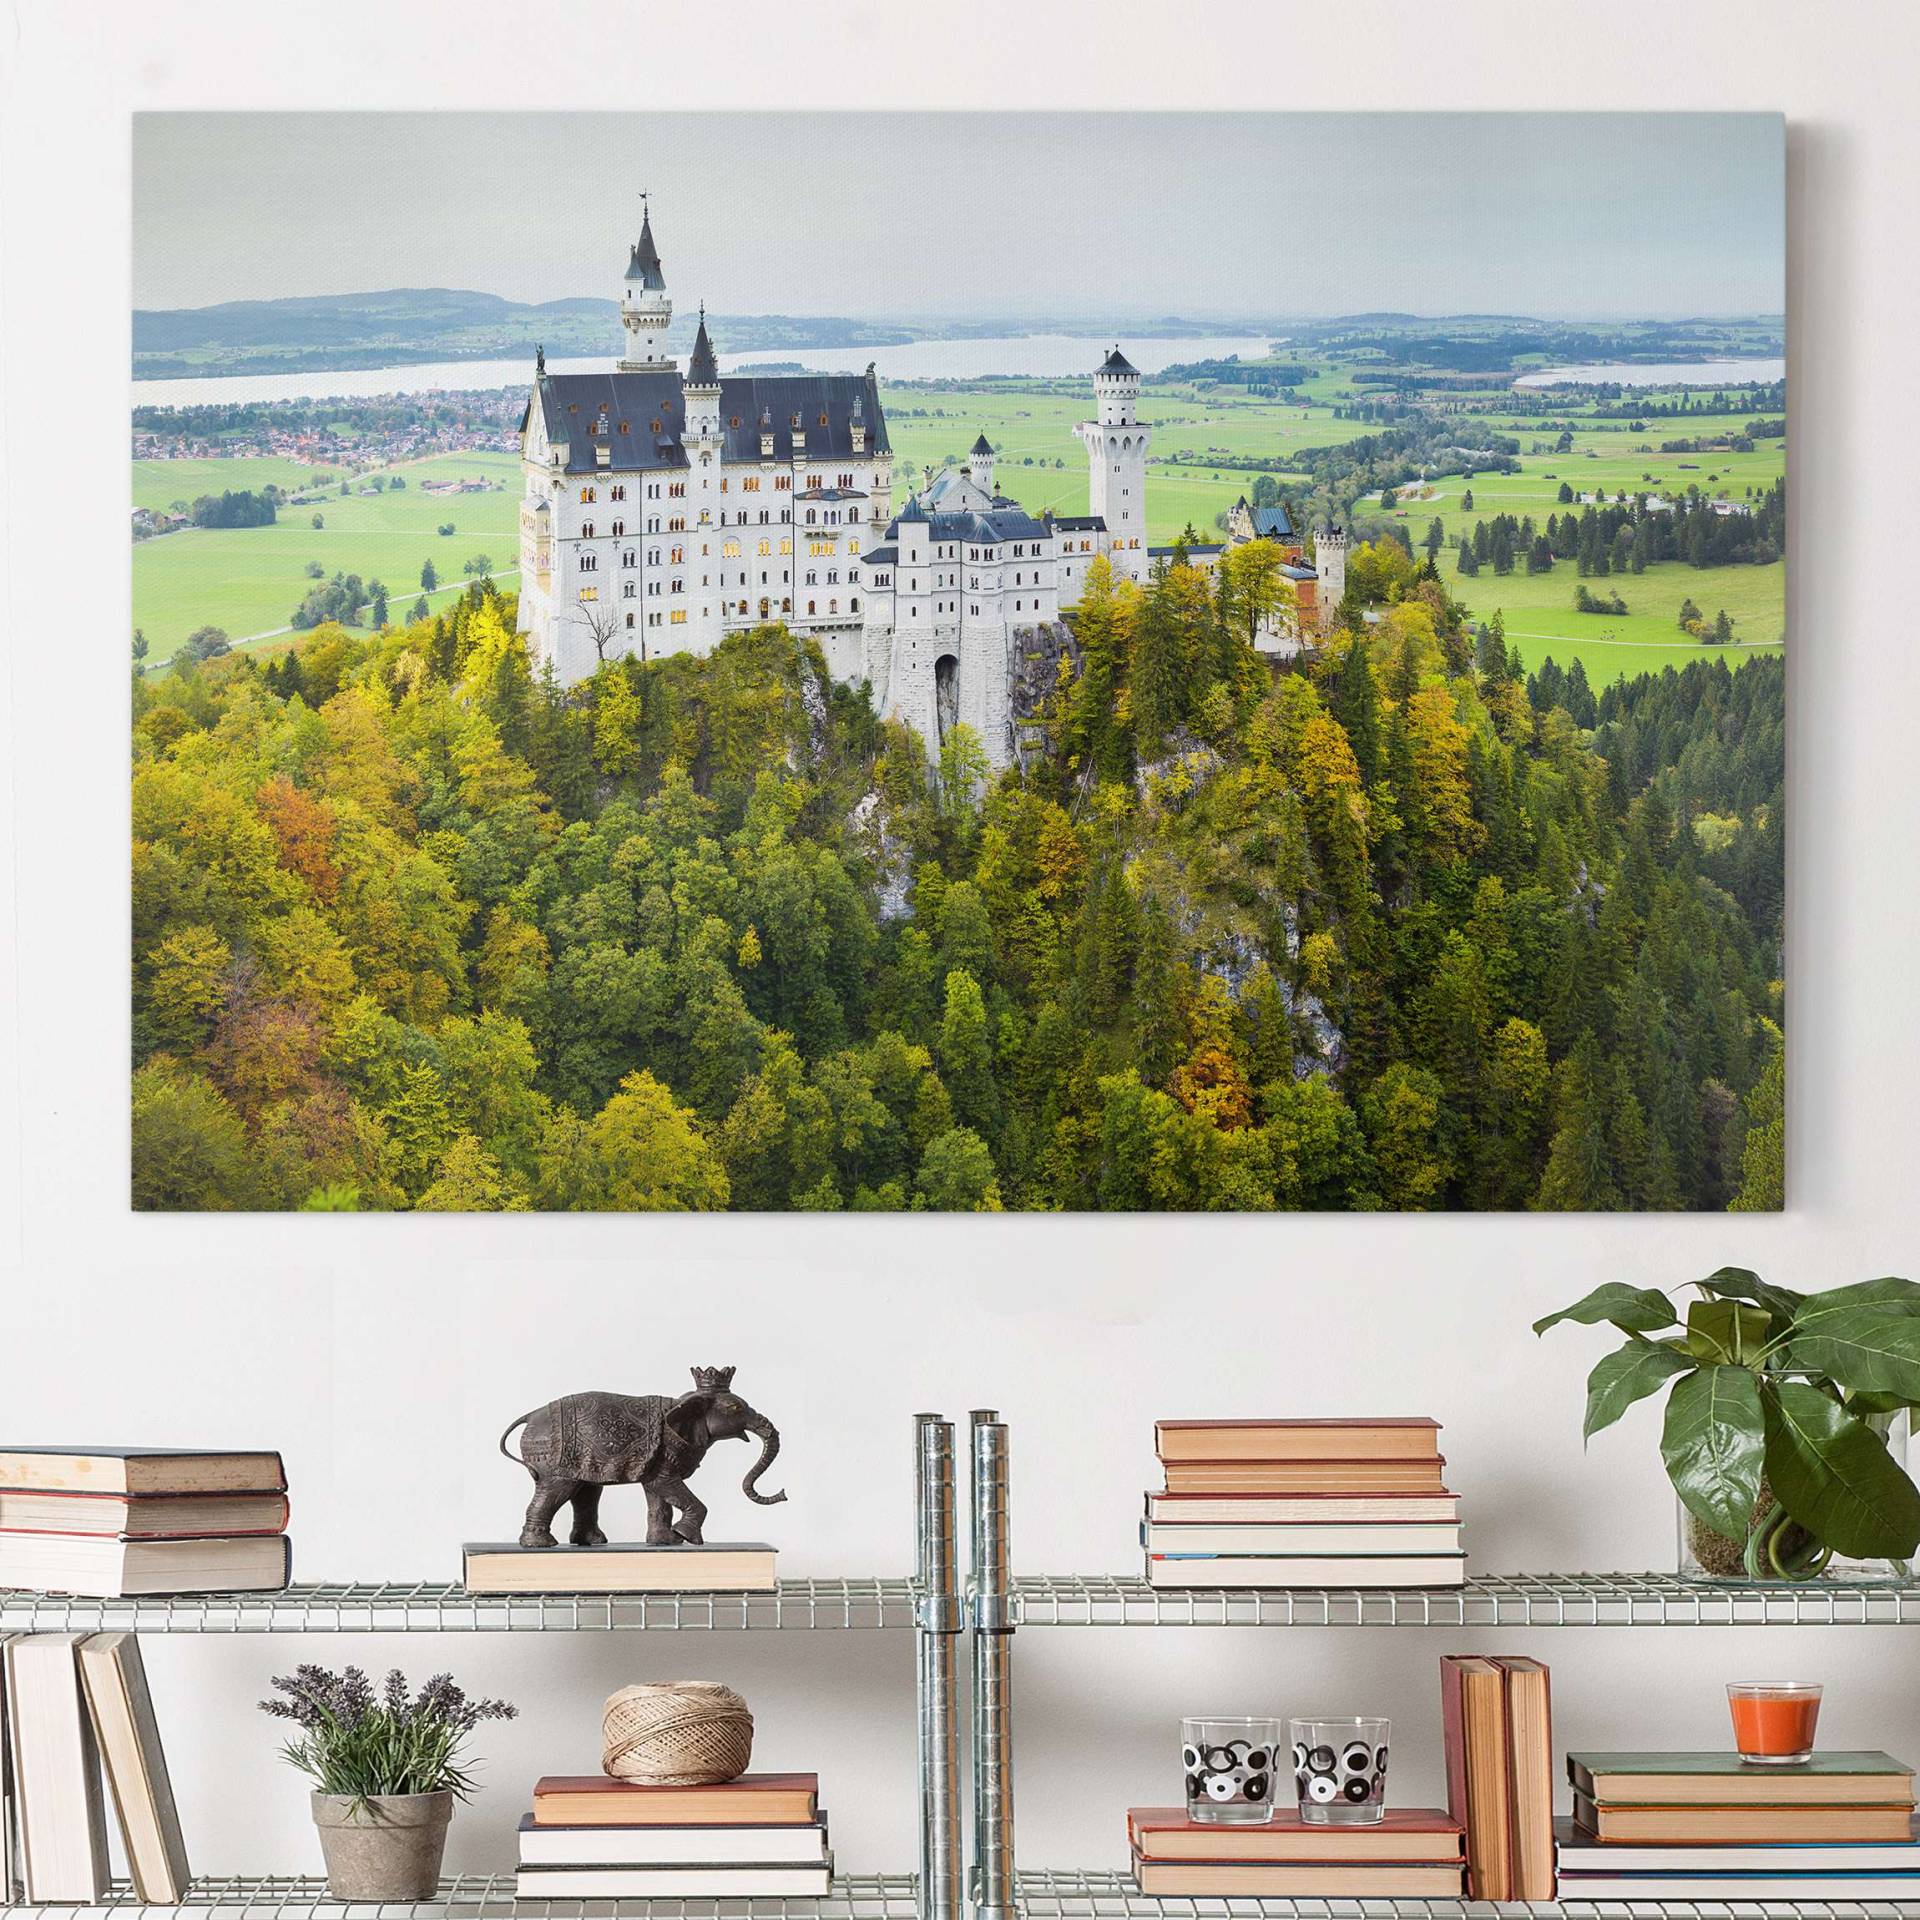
<point x="386" y="1772"/>
<point x="1779" y="1417"/>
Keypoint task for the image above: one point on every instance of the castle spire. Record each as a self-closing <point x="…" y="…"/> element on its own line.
<point x="644" y="264"/>
<point x="703" y="370"/>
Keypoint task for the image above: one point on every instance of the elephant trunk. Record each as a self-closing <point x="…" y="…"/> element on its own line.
<point x="769" y="1446"/>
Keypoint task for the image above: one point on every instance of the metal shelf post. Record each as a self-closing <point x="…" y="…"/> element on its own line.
<point x="941" y="1888"/>
<point x="994" y="1895"/>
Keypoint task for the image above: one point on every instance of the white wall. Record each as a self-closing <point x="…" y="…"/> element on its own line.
<point x="385" y="1355"/>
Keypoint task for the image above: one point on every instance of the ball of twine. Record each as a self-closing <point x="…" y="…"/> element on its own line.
<point x="682" y="1733"/>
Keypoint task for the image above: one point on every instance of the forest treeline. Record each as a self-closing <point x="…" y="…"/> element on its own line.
<point x="416" y="928"/>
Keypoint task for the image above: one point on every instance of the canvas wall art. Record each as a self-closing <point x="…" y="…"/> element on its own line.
<point x="958" y="662"/>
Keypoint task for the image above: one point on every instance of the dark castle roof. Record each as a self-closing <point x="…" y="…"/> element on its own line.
<point x="1117" y="362"/>
<point x="980" y="529"/>
<point x="980" y="445"/>
<point x="644" y="265"/>
<point x="627" y="405"/>
<point x="1270" y="523"/>
<point x="703" y="370"/>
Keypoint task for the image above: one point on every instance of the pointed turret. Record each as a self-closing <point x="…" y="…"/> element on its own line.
<point x="645" y="310"/>
<point x="980" y="466"/>
<point x="703" y="370"/>
<point x="644" y="263"/>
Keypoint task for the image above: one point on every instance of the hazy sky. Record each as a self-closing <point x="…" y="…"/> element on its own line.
<point x="873" y="215"/>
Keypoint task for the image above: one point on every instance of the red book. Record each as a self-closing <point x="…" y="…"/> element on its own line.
<point x="1473" y="1717"/>
<point x="755" y="1799"/>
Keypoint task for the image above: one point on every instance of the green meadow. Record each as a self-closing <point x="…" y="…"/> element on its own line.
<point x="248" y="580"/>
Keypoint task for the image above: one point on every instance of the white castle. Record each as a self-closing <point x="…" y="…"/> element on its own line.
<point x="662" y="511"/>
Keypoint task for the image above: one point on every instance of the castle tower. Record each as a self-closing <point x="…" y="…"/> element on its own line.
<point x="1116" y="445"/>
<point x="980" y="466"/>
<point x="1330" y="565"/>
<point x="707" y="582"/>
<point x="645" y="310"/>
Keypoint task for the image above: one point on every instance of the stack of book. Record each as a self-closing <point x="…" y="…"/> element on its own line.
<point x="1497" y="1718"/>
<point x="1302" y="1503"/>
<point x="1710" y="1826"/>
<point x="592" y="1838"/>
<point x="114" y="1521"/>
<point x="619" y="1567"/>
<point x="70" y="1701"/>
<point x="1412" y="1853"/>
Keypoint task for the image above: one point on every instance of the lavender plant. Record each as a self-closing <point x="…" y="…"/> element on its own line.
<point x="362" y="1744"/>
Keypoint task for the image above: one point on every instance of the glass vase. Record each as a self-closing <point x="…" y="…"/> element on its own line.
<point x="1776" y="1551"/>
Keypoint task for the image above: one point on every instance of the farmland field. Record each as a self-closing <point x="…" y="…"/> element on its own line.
<point x="248" y="580"/>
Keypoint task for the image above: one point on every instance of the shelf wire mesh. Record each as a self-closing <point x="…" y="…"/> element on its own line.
<point x="426" y="1606"/>
<point x="1117" y="1896"/>
<point x="488" y="1897"/>
<point x="1486" y="1600"/>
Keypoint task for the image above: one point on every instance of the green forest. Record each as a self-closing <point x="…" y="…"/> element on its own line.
<point x="1400" y="927"/>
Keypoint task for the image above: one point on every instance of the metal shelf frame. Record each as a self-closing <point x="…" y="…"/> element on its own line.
<point x="1114" y="1896"/>
<point x="999" y="1603"/>
<point x="1487" y="1600"/>
<point x="427" y="1606"/>
<point x="491" y="1897"/>
<point x="929" y="1604"/>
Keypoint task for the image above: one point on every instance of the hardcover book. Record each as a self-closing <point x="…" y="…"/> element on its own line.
<point x="1196" y="1879"/>
<point x="1360" y="1540"/>
<point x="697" y="1881"/>
<point x="56" y="1772"/>
<point x="160" y="1516"/>
<point x="1830" y="1778"/>
<point x="1305" y="1476"/>
<point x="1473" y="1720"/>
<point x="128" y="1736"/>
<point x="755" y="1799"/>
<point x="664" y="1846"/>
<point x="1318" y="1508"/>
<point x="1297" y="1439"/>
<point x="1306" y="1570"/>
<point x="620" y="1567"/>
<point x="1419" y="1834"/>
<point x="109" y="1566"/>
<point x="140" y="1470"/>
<point x="1698" y="1825"/>
<point x="1582" y="1853"/>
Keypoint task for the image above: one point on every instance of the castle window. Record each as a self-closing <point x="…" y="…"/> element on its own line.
<point x="586" y="530"/>
<point x="589" y="562"/>
<point x="618" y="493"/>
<point x="751" y="484"/>
<point x="657" y="427"/>
<point x="679" y="616"/>
<point x="629" y="620"/>
<point x="627" y="588"/>
<point x="853" y="543"/>
<point x="811" y="516"/>
<point x="833" y="606"/>
<point x="823" y="419"/>
<point x="627" y="558"/>
<point x="766" y="546"/>
<point x="586" y="495"/>
<point x="853" y="606"/>
<point x="786" y="606"/>
<point x="810" y="606"/>
<point x="588" y="595"/>
<point x="679" y="556"/>
<point x="734" y="422"/>
<point x="619" y="527"/>
<point x="731" y="550"/>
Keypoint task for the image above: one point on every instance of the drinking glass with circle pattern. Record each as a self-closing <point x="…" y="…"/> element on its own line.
<point x="1229" y="1763"/>
<point x="1340" y="1770"/>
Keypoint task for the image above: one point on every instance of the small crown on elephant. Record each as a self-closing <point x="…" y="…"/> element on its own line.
<point x="713" y="1379"/>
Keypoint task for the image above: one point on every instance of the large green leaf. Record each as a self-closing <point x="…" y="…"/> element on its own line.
<point x="1631" y="1309"/>
<point x="1835" y="1476"/>
<point x="1713" y="1443"/>
<point x="1870" y="1349"/>
<point x="1893" y="1293"/>
<point x="1628" y="1374"/>
<point x="1724" y="1331"/>
<point x="1742" y="1283"/>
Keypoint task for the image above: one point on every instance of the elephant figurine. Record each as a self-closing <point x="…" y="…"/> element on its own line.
<point x="575" y="1446"/>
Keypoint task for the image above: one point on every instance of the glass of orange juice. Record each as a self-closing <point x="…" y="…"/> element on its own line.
<point x="1773" y="1720"/>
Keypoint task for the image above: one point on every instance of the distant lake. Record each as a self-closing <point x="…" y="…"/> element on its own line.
<point x="1037" y="355"/>
<point x="1680" y="373"/>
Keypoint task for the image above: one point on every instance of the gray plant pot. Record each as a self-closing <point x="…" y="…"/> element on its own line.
<point x="386" y="1847"/>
